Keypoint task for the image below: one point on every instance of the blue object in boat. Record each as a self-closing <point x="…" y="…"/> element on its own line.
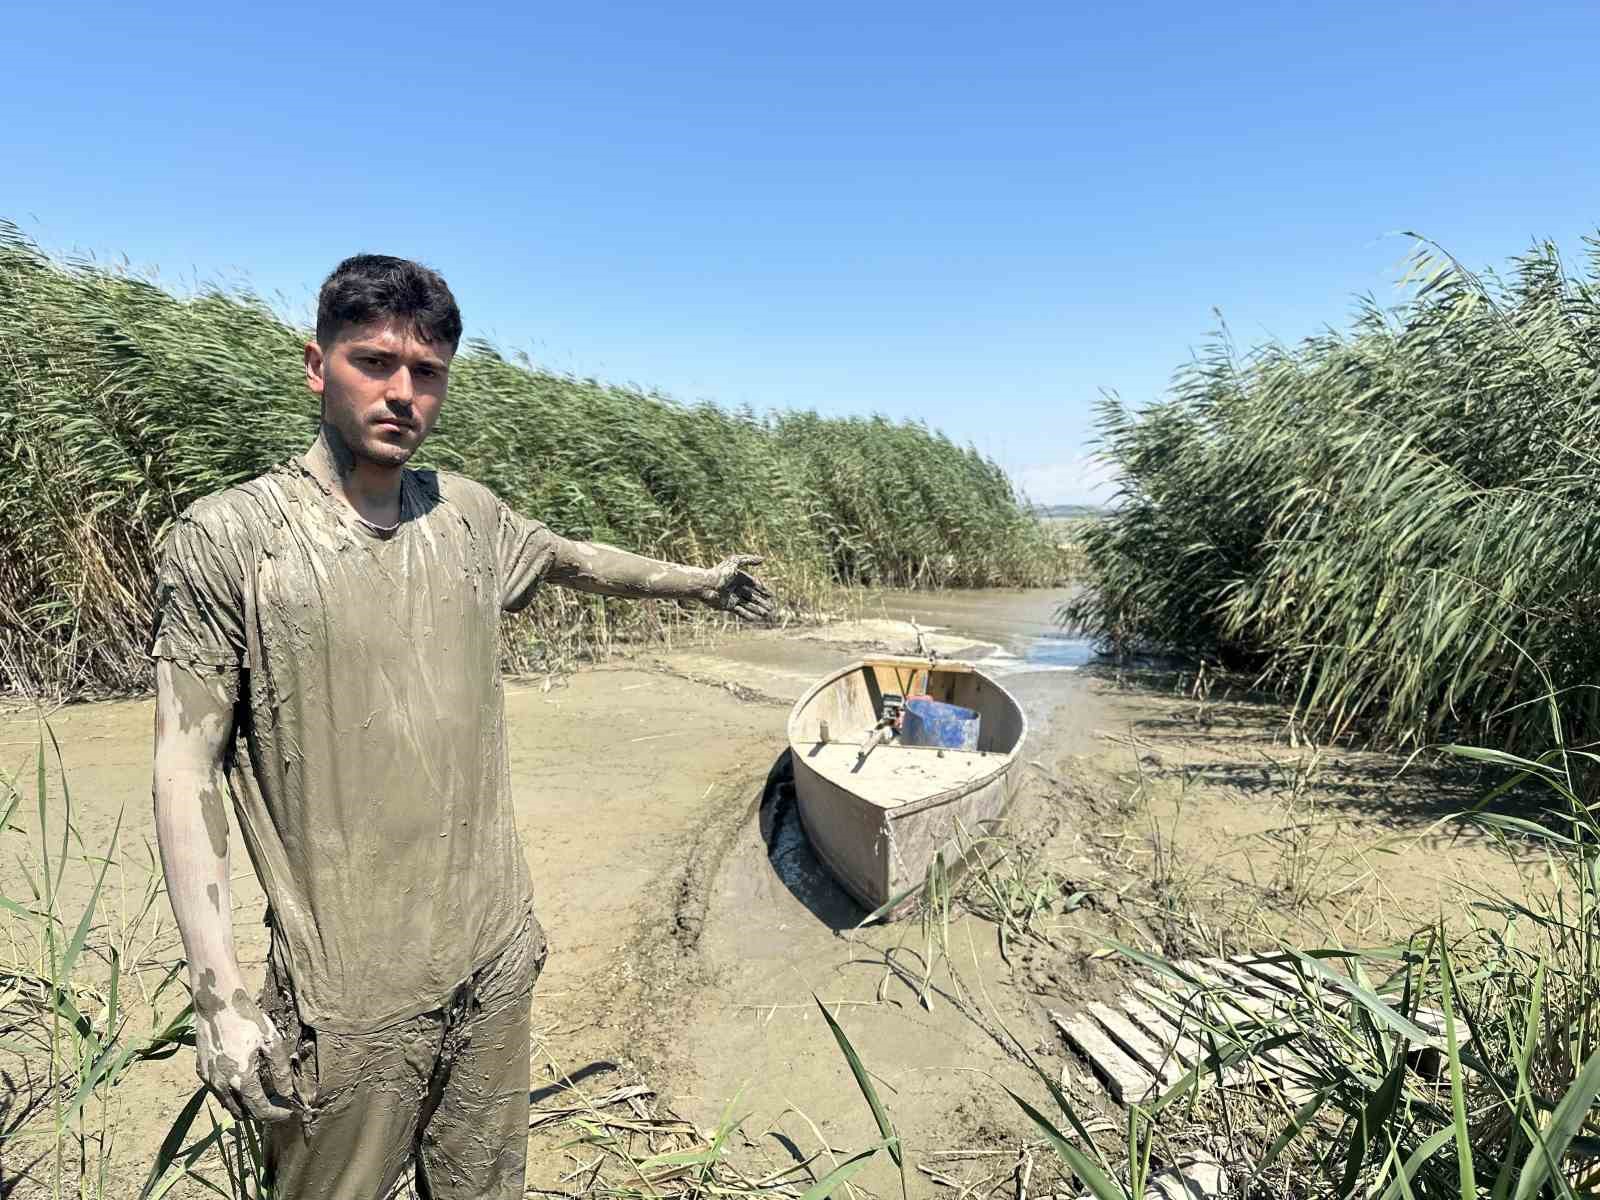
<point x="928" y="722"/>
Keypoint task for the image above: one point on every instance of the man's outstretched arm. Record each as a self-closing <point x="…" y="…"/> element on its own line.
<point x="608" y="571"/>
<point x="234" y="1041"/>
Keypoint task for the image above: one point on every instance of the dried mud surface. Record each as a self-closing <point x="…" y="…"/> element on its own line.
<point x="690" y="926"/>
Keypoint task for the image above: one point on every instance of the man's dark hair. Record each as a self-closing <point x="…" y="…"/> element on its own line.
<point x="379" y="287"/>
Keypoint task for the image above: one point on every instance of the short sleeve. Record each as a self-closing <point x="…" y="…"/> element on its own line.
<point x="525" y="550"/>
<point x="199" y="615"/>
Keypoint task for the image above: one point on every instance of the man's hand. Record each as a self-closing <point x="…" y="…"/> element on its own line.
<point x="733" y="589"/>
<point x="240" y="1056"/>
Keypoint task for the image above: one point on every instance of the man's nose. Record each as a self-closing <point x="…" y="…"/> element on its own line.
<point x="400" y="389"/>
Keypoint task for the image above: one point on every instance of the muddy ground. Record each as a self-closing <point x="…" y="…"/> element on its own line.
<point x="690" y="926"/>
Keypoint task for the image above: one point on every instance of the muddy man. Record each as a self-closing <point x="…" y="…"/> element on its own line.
<point x="326" y="653"/>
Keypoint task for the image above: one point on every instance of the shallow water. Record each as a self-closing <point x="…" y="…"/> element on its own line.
<point x="1033" y="655"/>
<point x="1021" y="622"/>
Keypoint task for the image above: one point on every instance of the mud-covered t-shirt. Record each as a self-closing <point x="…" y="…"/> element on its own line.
<point x="369" y="771"/>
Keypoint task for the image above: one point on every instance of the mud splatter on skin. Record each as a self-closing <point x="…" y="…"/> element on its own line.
<point x="607" y="571"/>
<point x="207" y="1004"/>
<point x="195" y="699"/>
<point x="215" y="814"/>
<point x="225" y="1070"/>
<point x="266" y="1095"/>
<point x="215" y="896"/>
<point x="206" y="1001"/>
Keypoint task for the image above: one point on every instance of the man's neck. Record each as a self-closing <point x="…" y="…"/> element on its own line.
<point x="371" y="489"/>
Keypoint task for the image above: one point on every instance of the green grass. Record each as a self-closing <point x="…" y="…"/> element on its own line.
<point x="121" y="403"/>
<point x="81" y="1005"/>
<point x="1394" y="524"/>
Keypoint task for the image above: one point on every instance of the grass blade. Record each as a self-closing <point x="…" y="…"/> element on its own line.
<point x="1458" y="1093"/>
<point x="879" y="1113"/>
<point x="841" y="1174"/>
<point x="1570" y="1113"/>
<point x="1090" y="1175"/>
<point x="172" y="1144"/>
<point x="1400" y="1186"/>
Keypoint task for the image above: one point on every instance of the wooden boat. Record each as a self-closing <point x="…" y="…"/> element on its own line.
<point x="878" y="821"/>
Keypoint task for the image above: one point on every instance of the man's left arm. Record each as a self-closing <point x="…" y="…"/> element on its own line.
<point x="607" y="571"/>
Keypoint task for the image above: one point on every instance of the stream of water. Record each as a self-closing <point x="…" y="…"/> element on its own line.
<point x="1037" y="660"/>
<point x="1021" y="622"/>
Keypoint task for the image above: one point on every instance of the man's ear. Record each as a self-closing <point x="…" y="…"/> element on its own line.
<point x="314" y="367"/>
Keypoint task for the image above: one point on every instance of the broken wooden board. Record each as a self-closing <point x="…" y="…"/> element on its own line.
<point x="1160" y="1062"/>
<point x="1146" y="1041"/>
<point x="1125" y="1079"/>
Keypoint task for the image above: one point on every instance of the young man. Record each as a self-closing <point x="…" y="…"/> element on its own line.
<point x="326" y="644"/>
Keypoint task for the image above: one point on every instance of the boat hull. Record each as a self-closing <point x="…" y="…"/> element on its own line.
<point x="879" y="825"/>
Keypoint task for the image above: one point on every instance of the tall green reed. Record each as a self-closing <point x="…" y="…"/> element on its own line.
<point x="120" y="403"/>
<point x="1392" y="524"/>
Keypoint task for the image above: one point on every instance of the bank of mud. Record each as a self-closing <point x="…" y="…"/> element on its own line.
<point x="690" y="927"/>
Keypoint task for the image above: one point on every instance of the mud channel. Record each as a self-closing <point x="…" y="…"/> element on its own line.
<point x="690" y="926"/>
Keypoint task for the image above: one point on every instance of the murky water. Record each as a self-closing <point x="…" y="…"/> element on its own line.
<point x="1034" y="657"/>
<point x="1013" y="633"/>
<point x="1022" y="623"/>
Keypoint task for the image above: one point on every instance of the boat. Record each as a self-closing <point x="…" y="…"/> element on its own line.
<point x="878" y="809"/>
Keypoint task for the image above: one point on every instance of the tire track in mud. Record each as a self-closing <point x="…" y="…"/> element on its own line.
<point x="661" y="970"/>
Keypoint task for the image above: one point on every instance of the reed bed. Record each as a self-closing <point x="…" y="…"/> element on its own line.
<point x="1393" y="524"/>
<point x="121" y="403"/>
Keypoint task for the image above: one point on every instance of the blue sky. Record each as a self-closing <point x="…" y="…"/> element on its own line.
<point x="977" y="215"/>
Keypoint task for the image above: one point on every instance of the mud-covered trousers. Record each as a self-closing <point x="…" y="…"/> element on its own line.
<point x="445" y="1092"/>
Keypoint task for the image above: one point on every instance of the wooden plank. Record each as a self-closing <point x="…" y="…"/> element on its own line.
<point x="1127" y="1081"/>
<point x="1282" y="1067"/>
<point x="1207" y="994"/>
<point x="1245" y="999"/>
<point x="1173" y="1040"/>
<point x="1229" y="997"/>
<point x="1431" y="1020"/>
<point x="1154" y="1058"/>
<point x="1334" y="991"/>
<point x="1186" y="1009"/>
<point x="1276" y="974"/>
<point x="1186" y="1027"/>
<point x="1267" y="998"/>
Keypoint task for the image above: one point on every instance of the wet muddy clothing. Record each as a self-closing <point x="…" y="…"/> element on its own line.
<point x="369" y="772"/>
<point x="445" y="1092"/>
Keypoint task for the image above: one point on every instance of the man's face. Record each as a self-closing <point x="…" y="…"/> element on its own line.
<point x="381" y="389"/>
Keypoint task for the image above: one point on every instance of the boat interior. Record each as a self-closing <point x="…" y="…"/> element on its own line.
<point x="845" y="717"/>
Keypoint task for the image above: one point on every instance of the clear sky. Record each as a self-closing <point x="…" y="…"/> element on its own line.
<point x="979" y="215"/>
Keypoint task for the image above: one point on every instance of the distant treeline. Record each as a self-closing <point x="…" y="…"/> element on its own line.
<point x="1397" y="524"/>
<point x="1064" y="511"/>
<point x="121" y="403"/>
